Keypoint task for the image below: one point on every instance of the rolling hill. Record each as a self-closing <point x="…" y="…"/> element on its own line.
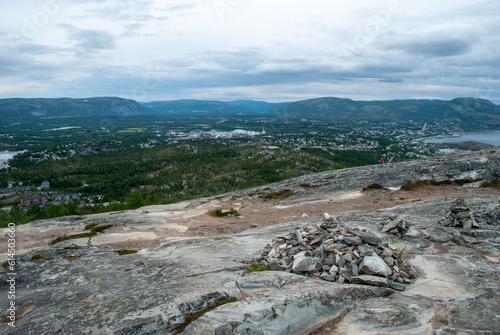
<point x="470" y="111"/>
<point x="20" y="108"/>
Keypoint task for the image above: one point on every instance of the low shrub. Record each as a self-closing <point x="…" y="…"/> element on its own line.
<point x="494" y="183"/>
<point x="220" y="213"/>
<point x="286" y="193"/>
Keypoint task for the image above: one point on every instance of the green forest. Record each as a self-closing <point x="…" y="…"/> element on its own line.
<point x="164" y="174"/>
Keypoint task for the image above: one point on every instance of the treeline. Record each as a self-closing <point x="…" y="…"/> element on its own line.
<point x="73" y="207"/>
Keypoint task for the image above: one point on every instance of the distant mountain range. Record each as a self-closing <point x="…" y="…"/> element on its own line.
<point x="204" y="106"/>
<point x="469" y="111"/>
<point x="20" y="108"/>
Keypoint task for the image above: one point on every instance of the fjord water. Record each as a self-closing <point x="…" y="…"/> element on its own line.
<point x="488" y="137"/>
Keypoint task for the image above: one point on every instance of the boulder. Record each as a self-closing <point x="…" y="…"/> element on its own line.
<point x="374" y="265"/>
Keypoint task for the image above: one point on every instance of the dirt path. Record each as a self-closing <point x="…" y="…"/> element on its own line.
<point x="256" y="212"/>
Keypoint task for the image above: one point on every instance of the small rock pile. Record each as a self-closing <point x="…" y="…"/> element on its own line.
<point x="395" y="225"/>
<point x="335" y="253"/>
<point x="459" y="215"/>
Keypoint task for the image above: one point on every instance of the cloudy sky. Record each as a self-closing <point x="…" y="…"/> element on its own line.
<point x="273" y="50"/>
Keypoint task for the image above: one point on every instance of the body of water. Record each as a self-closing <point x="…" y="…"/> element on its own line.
<point x="489" y="137"/>
<point x="5" y="156"/>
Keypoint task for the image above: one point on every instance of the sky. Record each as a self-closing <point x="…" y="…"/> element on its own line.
<point x="271" y="50"/>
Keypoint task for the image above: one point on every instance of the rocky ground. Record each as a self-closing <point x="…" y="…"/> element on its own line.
<point x="153" y="270"/>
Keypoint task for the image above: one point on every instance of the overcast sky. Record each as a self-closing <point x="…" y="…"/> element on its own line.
<point x="273" y="50"/>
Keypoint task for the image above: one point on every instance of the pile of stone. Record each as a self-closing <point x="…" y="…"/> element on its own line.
<point x="336" y="253"/>
<point x="395" y="225"/>
<point x="459" y="215"/>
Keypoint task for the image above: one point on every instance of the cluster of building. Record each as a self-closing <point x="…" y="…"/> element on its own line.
<point x="215" y="134"/>
<point x="43" y="200"/>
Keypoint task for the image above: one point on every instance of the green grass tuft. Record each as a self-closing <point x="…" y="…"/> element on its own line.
<point x="90" y="226"/>
<point x="220" y="213"/>
<point x="286" y="193"/>
<point x="494" y="183"/>
<point x="256" y="267"/>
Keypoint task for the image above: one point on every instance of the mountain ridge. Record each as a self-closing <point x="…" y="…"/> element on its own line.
<point x="48" y="107"/>
<point x="474" y="112"/>
<point x="471" y="112"/>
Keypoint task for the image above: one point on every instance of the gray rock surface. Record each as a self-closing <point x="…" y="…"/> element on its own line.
<point x="481" y="165"/>
<point x="454" y="288"/>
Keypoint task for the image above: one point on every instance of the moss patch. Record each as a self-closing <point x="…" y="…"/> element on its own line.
<point x="126" y="252"/>
<point x="374" y="186"/>
<point x="90" y="226"/>
<point x="494" y="183"/>
<point x="93" y="232"/>
<point x="286" y="193"/>
<point x="255" y="267"/>
<point x="465" y="181"/>
<point x="409" y="187"/>
<point x="442" y="182"/>
<point x="99" y="229"/>
<point x="220" y="213"/>
<point x="26" y="307"/>
<point x="195" y="315"/>
<point x="37" y="256"/>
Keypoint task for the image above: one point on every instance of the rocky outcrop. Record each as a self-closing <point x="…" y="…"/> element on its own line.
<point x="100" y="291"/>
<point x="201" y="285"/>
<point x="477" y="166"/>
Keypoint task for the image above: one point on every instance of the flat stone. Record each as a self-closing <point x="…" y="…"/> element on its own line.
<point x="352" y="240"/>
<point x="391" y="225"/>
<point x="389" y="261"/>
<point x="396" y="249"/>
<point x="304" y="264"/>
<point x="334" y="270"/>
<point x="397" y="286"/>
<point x="370" y="280"/>
<point x="368" y="238"/>
<point x="330" y="261"/>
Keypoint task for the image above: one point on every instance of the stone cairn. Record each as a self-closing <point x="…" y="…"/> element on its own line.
<point x="395" y="225"/>
<point x="335" y="253"/>
<point x="459" y="215"/>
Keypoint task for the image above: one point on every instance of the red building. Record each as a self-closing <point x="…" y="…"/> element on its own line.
<point x="36" y="200"/>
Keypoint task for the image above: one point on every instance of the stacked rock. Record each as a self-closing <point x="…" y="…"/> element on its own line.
<point x="395" y="225"/>
<point x="459" y="215"/>
<point x="335" y="253"/>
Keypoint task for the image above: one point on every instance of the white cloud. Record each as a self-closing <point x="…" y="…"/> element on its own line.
<point x="271" y="50"/>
